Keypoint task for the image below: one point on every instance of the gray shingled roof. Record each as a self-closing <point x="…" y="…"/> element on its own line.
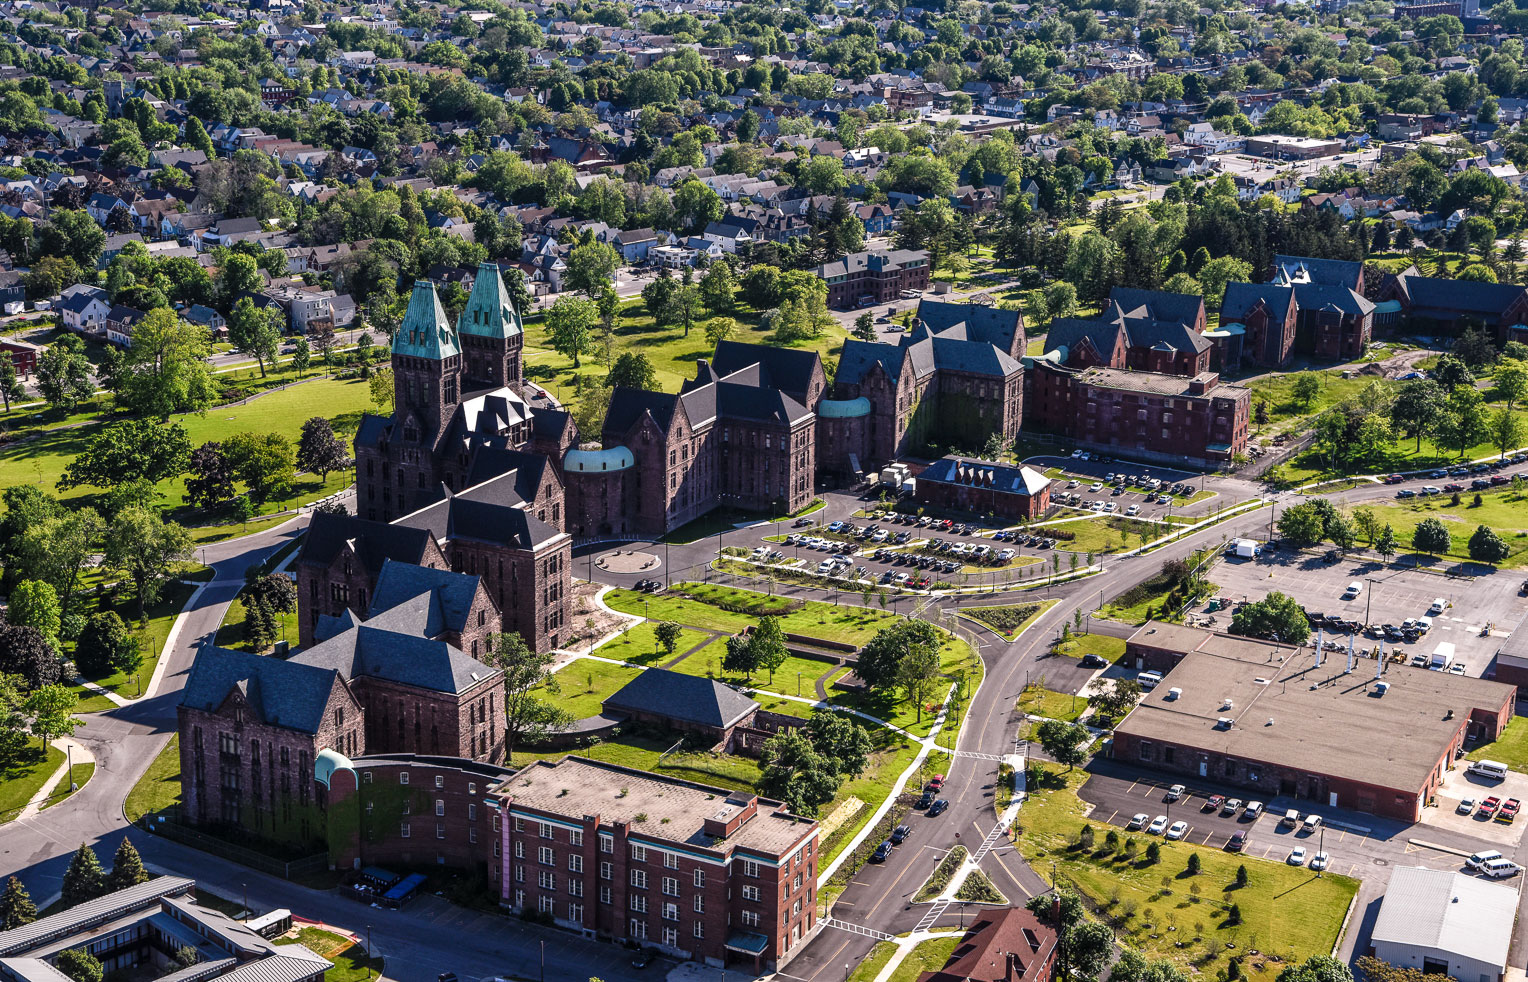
<point x="450" y="595"/>
<point x="680" y="697"/>
<point x="290" y="693"/>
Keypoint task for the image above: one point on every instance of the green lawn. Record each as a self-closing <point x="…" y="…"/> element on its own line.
<point x="1104" y="534"/>
<point x="870" y="966"/>
<point x="21" y="781"/>
<point x="1040" y="701"/>
<point x="1503" y="511"/>
<point x="151" y="640"/>
<point x="81" y="776"/>
<point x="231" y="631"/>
<point x="638" y="645"/>
<point x="673" y="355"/>
<point x="642" y="753"/>
<point x="1284" y="413"/>
<point x="586" y="683"/>
<point x="349" y="958"/>
<point x="1511" y="748"/>
<point x="1286" y="911"/>
<point x="1110" y="649"/>
<point x="845" y="622"/>
<point x="41" y="461"/>
<point x="159" y="787"/>
<point x="928" y="956"/>
<point x="893" y="755"/>
<point x="708" y="662"/>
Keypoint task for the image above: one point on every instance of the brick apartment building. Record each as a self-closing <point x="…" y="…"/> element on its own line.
<point x="1283" y="720"/>
<point x="1450" y="305"/>
<point x="867" y="278"/>
<point x="1166" y="418"/>
<point x="724" y="877"/>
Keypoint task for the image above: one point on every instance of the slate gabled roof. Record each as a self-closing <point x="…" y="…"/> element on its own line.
<point x="492" y="511"/>
<point x="449" y="594"/>
<point x="1002" y="328"/>
<point x="685" y="698"/>
<point x="384" y="647"/>
<point x="857" y="358"/>
<point x="789" y="369"/>
<point x="374" y="543"/>
<point x="1333" y="272"/>
<point x="1464" y="296"/>
<point x="628" y="405"/>
<point x="1242" y="297"/>
<point x="288" y="693"/>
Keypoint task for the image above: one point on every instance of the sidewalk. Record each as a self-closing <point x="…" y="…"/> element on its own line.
<point x="74" y="752"/>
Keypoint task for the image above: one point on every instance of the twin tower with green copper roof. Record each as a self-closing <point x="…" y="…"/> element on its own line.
<point x="435" y="364"/>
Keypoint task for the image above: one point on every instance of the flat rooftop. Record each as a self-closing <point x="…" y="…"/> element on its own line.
<point x="669" y="810"/>
<point x="1157" y="383"/>
<point x="1288" y="712"/>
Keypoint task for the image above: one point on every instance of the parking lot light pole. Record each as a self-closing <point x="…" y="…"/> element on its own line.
<point x="1368" y="601"/>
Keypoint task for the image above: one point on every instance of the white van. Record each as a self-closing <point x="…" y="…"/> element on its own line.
<point x="1500" y="869"/>
<point x="1312" y="823"/>
<point x="1149" y="680"/>
<point x="1291" y="819"/>
<point x="1489" y="769"/>
<point x="1481" y="858"/>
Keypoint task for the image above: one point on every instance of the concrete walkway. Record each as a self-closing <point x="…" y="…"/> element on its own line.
<point x="75" y="753"/>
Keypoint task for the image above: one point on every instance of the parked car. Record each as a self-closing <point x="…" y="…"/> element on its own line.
<point x="1158" y="825"/>
<point x="1237" y="842"/>
<point x="644" y="958"/>
<point x="1296" y="856"/>
<point x="1466" y="806"/>
<point x="1253" y="810"/>
<point x="1178" y="830"/>
<point x="1319" y="861"/>
<point x="937" y="807"/>
<point x="900" y="833"/>
<point x="882" y="852"/>
<point x="1489" y="806"/>
<point x="1175" y="792"/>
<point x="1213" y="802"/>
<point x="1091" y="660"/>
<point x="1137" y="821"/>
<point x="1508" y="810"/>
<point x="1406" y="493"/>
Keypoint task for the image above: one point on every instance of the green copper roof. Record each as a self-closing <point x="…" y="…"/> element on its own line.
<point x="489" y="313"/>
<point x="425" y="332"/>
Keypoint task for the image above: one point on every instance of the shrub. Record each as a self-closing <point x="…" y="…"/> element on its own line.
<point x="1154" y="853"/>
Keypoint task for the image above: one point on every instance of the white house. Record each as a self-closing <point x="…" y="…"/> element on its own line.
<point x="1447" y="923"/>
<point x="84" y="309"/>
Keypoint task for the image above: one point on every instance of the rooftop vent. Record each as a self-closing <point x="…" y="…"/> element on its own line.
<point x="1174" y="693"/>
<point x="1224" y="723"/>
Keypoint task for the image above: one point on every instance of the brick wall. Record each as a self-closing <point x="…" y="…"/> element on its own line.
<point x="413" y="813"/>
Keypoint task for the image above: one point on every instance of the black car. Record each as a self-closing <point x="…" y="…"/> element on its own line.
<point x="643" y="958"/>
<point x="937" y="807"/>
<point x="1237" y="841"/>
<point x="900" y="833"/>
<point x="926" y="800"/>
<point x="1093" y="661"/>
<point x="881" y="853"/>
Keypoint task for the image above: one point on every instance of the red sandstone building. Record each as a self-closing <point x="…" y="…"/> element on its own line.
<point x="985" y="488"/>
<point x="1277" y="721"/>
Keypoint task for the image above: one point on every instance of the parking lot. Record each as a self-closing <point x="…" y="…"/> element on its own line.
<point x="1223" y="491"/>
<point x="1458" y="785"/>
<point x="1388" y="596"/>
<point x="1358" y="844"/>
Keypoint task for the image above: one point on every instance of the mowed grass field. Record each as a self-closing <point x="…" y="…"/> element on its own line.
<point x="1505" y="511"/>
<point x="1285" y="910"/>
<point x="42" y="460"/>
<point x="672" y="353"/>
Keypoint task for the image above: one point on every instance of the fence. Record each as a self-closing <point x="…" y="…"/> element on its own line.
<point x="286" y="869"/>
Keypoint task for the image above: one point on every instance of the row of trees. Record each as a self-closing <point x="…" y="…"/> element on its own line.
<point x="1318" y="520"/>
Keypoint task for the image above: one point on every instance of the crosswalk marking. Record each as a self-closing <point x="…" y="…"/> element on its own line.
<point x="868" y="932"/>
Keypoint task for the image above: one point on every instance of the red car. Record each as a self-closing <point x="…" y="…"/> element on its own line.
<point x="1214" y="802"/>
<point x="1508" y="810"/>
<point x="1394" y="479"/>
<point x="936" y="782"/>
<point x="1453" y="487"/>
<point x="1489" y="806"/>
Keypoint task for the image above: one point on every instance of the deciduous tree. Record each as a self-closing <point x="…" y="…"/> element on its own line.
<point x="166" y="370"/>
<point x="569" y="326"/>
<point x="130" y="450"/>
<point x="527" y="716"/>
<point x="63" y="374"/>
<point x="1277" y="617"/>
<point x="319" y="451"/>
<point x="147" y="549"/>
<point x="1431" y="536"/>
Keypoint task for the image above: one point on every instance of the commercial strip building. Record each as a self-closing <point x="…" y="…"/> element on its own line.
<point x="1280" y="147"/>
<point x="1281" y="720"/>
<point x="141" y="930"/>
<point x="1443" y="922"/>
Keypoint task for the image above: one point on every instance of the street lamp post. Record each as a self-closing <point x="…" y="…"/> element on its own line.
<point x="246" y="900"/>
<point x="369" y="953"/>
<point x="543" y="961"/>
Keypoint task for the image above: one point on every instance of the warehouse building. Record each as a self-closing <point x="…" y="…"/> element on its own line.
<point x="1442" y="922"/>
<point x="1279" y="720"/>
